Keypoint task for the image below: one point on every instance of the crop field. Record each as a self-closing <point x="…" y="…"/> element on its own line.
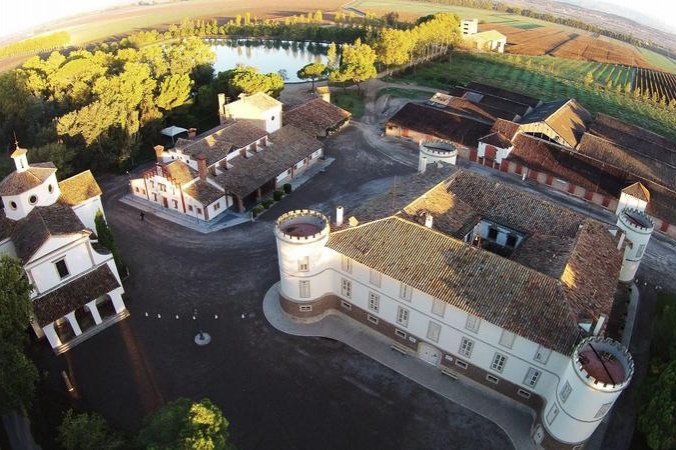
<point x="653" y="82"/>
<point x="658" y="60"/>
<point x="497" y="70"/>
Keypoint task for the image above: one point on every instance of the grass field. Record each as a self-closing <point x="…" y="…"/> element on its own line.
<point x="496" y="70"/>
<point x="404" y="93"/>
<point x="350" y="101"/>
<point x="658" y="60"/>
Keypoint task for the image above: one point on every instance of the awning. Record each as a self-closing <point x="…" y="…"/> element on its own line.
<point x="173" y="131"/>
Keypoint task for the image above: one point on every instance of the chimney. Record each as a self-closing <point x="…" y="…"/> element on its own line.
<point x="422" y="164"/>
<point x="621" y="241"/>
<point x="159" y="153"/>
<point x="202" y="166"/>
<point x="158" y="169"/>
<point x="339" y="216"/>
<point x="429" y="220"/>
<point x="599" y="325"/>
<point x="192" y="132"/>
<point x="221" y="108"/>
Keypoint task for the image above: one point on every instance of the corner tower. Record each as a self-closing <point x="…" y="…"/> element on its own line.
<point x="599" y="371"/>
<point x="301" y="238"/>
<point x="637" y="227"/>
<point x="436" y="150"/>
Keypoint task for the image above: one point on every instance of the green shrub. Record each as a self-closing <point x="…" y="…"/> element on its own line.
<point x="257" y="210"/>
<point x="287" y="188"/>
<point x="277" y="195"/>
<point x="266" y="203"/>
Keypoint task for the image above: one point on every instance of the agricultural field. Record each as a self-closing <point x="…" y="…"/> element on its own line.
<point x="497" y="70"/>
<point x="658" y="60"/>
<point x="653" y="82"/>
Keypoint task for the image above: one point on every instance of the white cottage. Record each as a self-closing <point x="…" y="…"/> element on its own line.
<point x="482" y="281"/>
<point x="49" y="226"/>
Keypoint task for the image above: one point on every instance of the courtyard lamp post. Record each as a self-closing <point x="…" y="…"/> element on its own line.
<point x="201" y="338"/>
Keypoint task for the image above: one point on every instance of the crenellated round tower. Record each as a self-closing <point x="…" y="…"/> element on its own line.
<point x="599" y="370"/>
<point x="436" y="150"/>
<point x="301" y="238"/>
<point x="637" y="227"/>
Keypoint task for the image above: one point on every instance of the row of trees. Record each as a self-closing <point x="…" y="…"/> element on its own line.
<point x="179" y="425"/>
<point x="35" y="45"/>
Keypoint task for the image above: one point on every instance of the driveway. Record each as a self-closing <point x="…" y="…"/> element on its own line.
<point x="278" y="391"/>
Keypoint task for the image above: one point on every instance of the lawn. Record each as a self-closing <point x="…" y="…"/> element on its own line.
<point x="497" y="70"/>
<point x="351" y="101"/>
<point x="412" y="94"/>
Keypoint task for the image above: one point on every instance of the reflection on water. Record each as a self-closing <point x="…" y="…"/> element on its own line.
<point x="268" y="55"/>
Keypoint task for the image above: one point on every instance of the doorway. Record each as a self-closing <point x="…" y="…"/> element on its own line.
<point x="429" y="354"/>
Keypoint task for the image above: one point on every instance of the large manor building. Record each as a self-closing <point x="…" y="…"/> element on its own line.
<point x="483" y="281"/>
<point x="49" y="226"/>
<point x="557" y="143"/>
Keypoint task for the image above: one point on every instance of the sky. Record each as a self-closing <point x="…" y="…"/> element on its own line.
<point x="23" y="15"/>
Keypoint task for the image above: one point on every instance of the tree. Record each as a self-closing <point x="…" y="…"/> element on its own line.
<point x="17" y="373"/>
<point x="357" y="64"/>
<point x="107" y="239"/>
<point x="589" y="78"/>
<point x="332" y="56"/>
<point x="87" y="431"/>
<point x="657" y="419"/>
<point x="245" y="79"/>
<point x="312" y="71"/>
<point x="394" y="47"/>
<point x="174" y="91"/>
<point x="184" y="424"/>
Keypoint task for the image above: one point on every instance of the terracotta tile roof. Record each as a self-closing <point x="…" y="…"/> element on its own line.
<point x="78" y="188"/>
<point x="506" y="127"/>
<point x="289" y="146"/>
<point x="497" y="139"/>
<point x="42" y="223"/>
<point x="17" y="182"/>
<point x="567" y="118"/>
<point x="217" y="143"/>
<point x="638" y="191"/>
<point x="566" y="164"/>
<point x="641" y="139"/>
<point x="179" y="172"/>
<point x="204" y="192"/>
<point x="545" y="253"/>
<point x="506" y="205"/>
<point x="6" y="226"/>
<point x="662" y="203"/>
<point x="489" y="286"/>
<point x="499" y="103"/>
<point x="497" y="92"/>
<point x="74" y="294"/>
<point x="438" y="123"/>
<point x="461" y="106"/>
<point x="259" y="100"/>
<point x="315" y="116"/>
<point x="608" y="152"/>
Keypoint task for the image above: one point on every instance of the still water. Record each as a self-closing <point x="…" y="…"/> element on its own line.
<point x="268" y="55"/>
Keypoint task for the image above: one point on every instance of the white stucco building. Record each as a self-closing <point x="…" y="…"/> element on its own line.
<point x="49" y="226"/>
<point x="482" y="281"/>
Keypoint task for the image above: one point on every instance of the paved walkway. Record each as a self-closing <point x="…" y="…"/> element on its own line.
<point x="513" y="418"/>
<point x="18" y="431"/>
<point x="226" y="219"/>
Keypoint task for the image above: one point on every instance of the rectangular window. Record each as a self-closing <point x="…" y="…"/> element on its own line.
<point x="190" y="208"/>
<point x="199" y="211"/>
<point x="492" y="233"/>
<point x="532" y="377"/>
<point x="217" y="206"/>
<point x="374" y="277"/>
<point x="346" y="288"/>
<point x="400" y="333"/>
<point x="152" y="184"/>
<point x="374" y="302"/>
<point x="472" y="323"/>
<point x="373" y="320"/>
<point x="405" y="291"/>
<point x="402" y="316"/>
<point x="303" y="264"/>
<point x="433" y="331"/>
<point x="62" y="268"/>
<point x="346" y="264"/>
<point x="304" y="288"/>
<point x="511" y="240"/>
<point x="553" y="412"/>
<point x="175" y="204"/>
<point x="492" y="378"/>
<point x="438" y="307"/>
<point x="346" y="305"/>
<point x="522" y="393"/>
<point x="542" y="354"/>
<point x="163" y="188"/>
<point x="640" y="250"/>
<point x="460" y="363"/>
<point x="507" y="339"/>
<point x="565" y="392"/>
<point x="305" y="308"/>
<point x="466" y="347"/>
<point x="154" y="197"/>
<point x="603" y="410"/>
<point x="498" y="363"/>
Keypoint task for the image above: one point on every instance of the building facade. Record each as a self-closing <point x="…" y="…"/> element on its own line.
<point x="50" y="227"/>
<point x="457" y="279"/>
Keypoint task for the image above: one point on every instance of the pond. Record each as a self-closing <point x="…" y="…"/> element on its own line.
<point x="267" y="55"/>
